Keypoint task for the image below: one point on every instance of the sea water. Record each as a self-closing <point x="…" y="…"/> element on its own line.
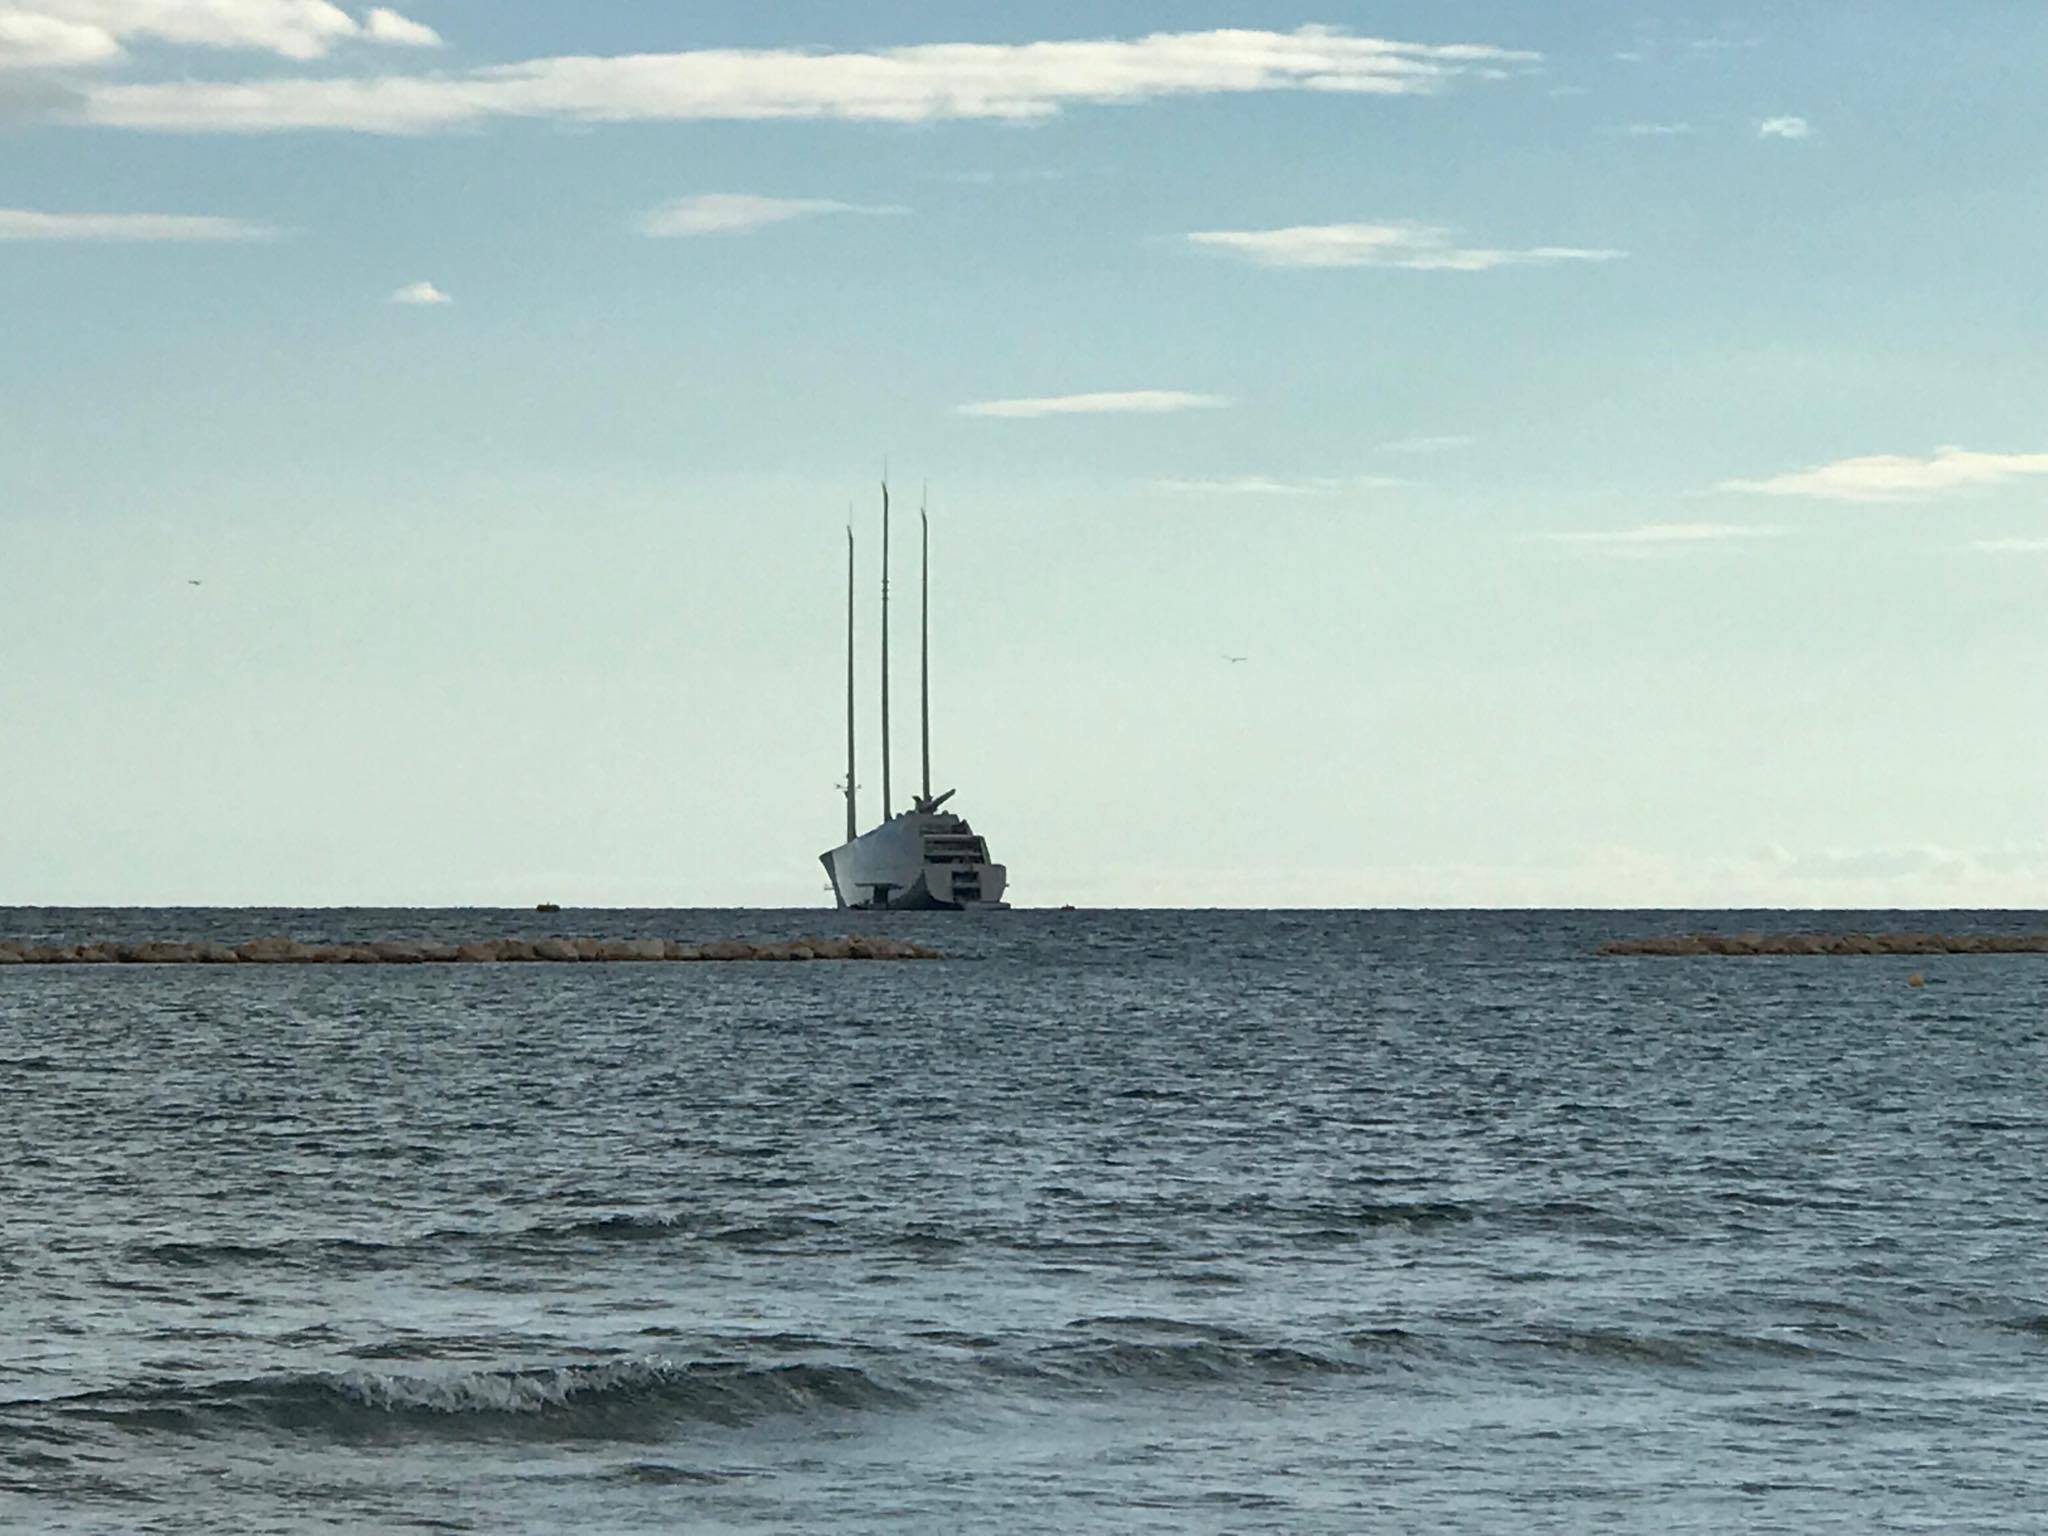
<point x="1294" y="1222"/>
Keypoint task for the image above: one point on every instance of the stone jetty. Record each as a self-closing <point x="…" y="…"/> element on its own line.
<point x="475" y="952"/>
<point x="1833" y="944"/>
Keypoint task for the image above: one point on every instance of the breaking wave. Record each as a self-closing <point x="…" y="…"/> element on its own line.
<point x="614" y="1401"/>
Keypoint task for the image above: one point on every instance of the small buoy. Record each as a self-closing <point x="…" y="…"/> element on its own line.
<point x="1916" y="980"/>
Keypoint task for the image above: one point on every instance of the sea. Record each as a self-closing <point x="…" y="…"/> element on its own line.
<point x="1109" y="1221"/>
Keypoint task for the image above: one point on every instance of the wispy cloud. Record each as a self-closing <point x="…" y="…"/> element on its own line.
<point x="420" y="293"/>
<point x="129" y="228"/>
<point x="2012" y="876"/>
<point x="387" y="26"/>
<point x="1897" y="477"/>
<point x="1654" y="534"/>
<point x="1441" y="444"/>
<point x="1784" y="128"/>
<point x="1264" y="485"/>
<point x="923" y="83"/>
<point x="1950" y="865"/>
<point x="993" y="178"/>
<point x="50" y="33"/>
<point x="2013" y="546"/>
<point x="1658" y="130"/>
<point x="1124" y="402"/>
<point x="1421" y="247"/>
<point x="729" y="213"/>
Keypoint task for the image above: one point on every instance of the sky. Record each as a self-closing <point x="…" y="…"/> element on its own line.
<point x="1612" y="435"/>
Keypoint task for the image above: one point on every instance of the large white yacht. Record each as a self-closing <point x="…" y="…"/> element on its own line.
<point x="923" y="857"/>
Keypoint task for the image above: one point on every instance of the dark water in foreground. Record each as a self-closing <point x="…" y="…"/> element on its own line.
<point x="1175" y="1222"/>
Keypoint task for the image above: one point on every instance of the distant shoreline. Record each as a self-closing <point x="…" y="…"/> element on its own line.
<point x="1681" y="945"/>
<point x="282" y="951"/>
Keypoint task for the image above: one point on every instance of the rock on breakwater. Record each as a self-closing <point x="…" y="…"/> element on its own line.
<point x="1832" y="944"/>
<point x="282" y="951"/>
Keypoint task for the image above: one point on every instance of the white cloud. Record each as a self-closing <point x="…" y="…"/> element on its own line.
<point x="2011" y="546"/>
<point x="31" y="40"/>
<point x="1659" y="130"/>
<point x="130" y="228"/>
<point x="86" y="31"/>
<point x="1421" y="247"/>
<point x="386" y="26"/>
<point x="726" y="213"/>
<point x="1264" y="485"/>
<point x="922" y="83"/>
<point x="1898" y="477"/>
<point x="1784" y="128"/>
<point x="1440" y="444"/>
<point x="1132" y="401"/>
<point x="1669" y="533"/>
<point x="420" y="293"/>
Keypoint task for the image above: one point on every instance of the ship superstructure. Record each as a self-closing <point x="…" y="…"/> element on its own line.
<point x="923" y="857"/>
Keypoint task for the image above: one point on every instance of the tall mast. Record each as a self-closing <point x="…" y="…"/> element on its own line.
<point x="852" y="812"/>
<point x="924" y="638"/>
<point x="888" y="797"/>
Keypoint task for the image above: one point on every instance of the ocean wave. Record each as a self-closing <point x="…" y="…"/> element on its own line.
<point x="1612" y="1345"/>
<point x="661" y="1474"/>
<point x="714" y="1228"/>
<point x="1265" y="1220"/>
<point x="1268" y="1220"/>
<point x="1341" y="1223"/>
<point x="1387" y="1341"/>
<point x="1330" y="1214"/>
<point x="625" y="1400"/>
<point x="953" y="1338"/>
<point x="1689" y="1348"/>
<point x="1586" y="1216"/>
<point x="325" y="1254"/>
<point x="1163" y="1362"/>
<point x="1118" y="1234"/>
<point x="540" y="1240"/>
<point x="1149" y="1323"/>
<point x="621" y="1227"/>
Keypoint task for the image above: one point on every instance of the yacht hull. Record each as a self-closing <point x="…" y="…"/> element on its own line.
<point x="916" y="861"/>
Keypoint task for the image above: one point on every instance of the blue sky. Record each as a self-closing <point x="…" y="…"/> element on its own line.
<point x="1613" y="434"/>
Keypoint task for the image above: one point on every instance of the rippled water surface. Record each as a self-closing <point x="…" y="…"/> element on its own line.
<point x="1177" y="1222"/>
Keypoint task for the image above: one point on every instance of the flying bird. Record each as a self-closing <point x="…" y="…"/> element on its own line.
<point x="194" y="581"/>
<point x="1237" y="658"/>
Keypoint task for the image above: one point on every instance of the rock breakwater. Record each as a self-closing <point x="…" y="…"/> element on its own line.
<point x="280" y="951"/>
<point x="1832" y="944"/>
